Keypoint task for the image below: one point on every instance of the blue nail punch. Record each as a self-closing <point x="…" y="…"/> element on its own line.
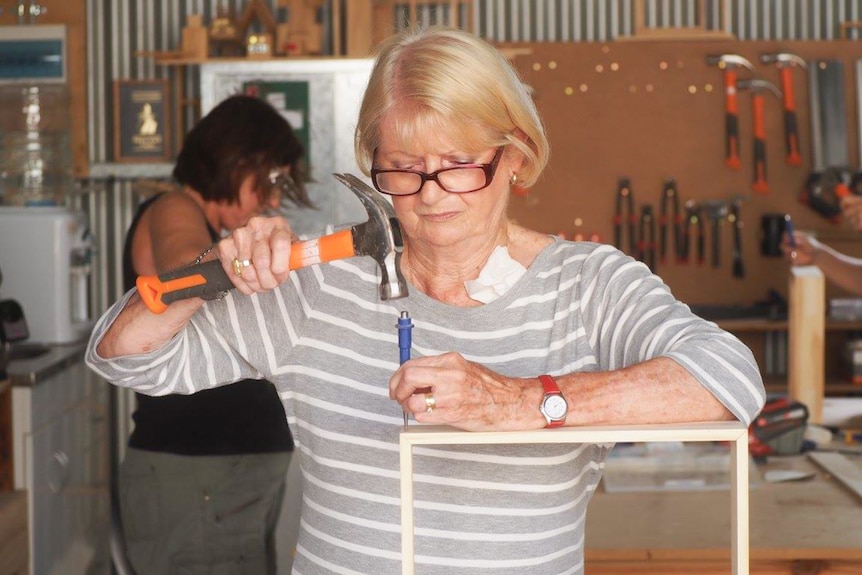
<point x="405" y="342"/>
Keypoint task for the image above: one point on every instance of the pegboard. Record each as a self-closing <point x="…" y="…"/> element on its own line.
<point x="652" y="110"/>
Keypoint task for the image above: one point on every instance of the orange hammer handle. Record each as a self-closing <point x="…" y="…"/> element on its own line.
<point x="791" y="129"/>
<point x="731" y="111"/>
<point x="208" y="279"/>
<point x="757" y="104"/>
<point x="335" y="246"/>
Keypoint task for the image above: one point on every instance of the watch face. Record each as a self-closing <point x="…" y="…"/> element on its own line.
<point x="555" y="406"/>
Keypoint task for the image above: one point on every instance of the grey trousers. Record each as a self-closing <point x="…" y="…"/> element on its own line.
<point x="202" y="515"/>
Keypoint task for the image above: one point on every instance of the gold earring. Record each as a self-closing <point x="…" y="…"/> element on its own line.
<point x="513" y="180"/>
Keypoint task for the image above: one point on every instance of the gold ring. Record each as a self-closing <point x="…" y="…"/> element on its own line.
<point x="238" y="266"/>
<point x="429" y="402"/>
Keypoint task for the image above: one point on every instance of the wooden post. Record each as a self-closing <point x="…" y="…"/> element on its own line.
<point x="335" y="28"/>
<point x="359" y="23"/>
<point x="806" y="334"/>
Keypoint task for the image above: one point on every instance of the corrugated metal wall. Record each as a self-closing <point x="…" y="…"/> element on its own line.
<point x="122" y="31"/>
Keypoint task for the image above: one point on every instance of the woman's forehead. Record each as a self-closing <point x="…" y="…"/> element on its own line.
<point x="416" y="132"/>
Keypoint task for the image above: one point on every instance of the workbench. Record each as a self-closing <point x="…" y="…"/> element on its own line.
<point x="811" y="526"/>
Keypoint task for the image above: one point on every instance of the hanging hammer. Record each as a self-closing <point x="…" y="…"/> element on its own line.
<point x="785" y="62"/>
<point x="729" y="64"/>
<point x="379" y="237"/>
<point x="758" y="87"/>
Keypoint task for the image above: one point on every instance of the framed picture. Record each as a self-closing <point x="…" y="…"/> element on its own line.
<point x="141" y="118"/>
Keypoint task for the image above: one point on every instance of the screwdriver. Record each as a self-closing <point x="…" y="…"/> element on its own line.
<point x="405" y="342"/>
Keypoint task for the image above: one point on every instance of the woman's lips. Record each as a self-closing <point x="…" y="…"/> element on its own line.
<point x="441" y="217"/>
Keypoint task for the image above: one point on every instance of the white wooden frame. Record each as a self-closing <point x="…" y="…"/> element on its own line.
<point x="734" y="432"/>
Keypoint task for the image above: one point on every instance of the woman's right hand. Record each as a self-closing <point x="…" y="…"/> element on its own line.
<point x="804" y="252"/>
<point x="264" y="244"/>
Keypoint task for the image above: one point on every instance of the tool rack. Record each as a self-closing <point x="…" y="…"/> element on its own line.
<point x="652" y="110"/>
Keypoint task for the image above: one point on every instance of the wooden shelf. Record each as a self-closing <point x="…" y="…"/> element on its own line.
<point x="833" y="386"/>
<point x="104" y="171"/>
<point x="752" y="325"/>
<point x="181" y="59"/>
<point x="755" y="325"/>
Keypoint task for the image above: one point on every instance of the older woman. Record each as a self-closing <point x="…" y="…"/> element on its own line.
<point x="514" y="329"/>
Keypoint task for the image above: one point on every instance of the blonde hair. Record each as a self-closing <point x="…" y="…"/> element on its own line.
<point x="452" y="81"/>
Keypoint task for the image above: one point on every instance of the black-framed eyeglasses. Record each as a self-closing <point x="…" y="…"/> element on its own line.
<point x="457" y="179"/>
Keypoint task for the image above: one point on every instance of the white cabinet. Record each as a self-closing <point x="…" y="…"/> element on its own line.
<point x="61" y="449"/>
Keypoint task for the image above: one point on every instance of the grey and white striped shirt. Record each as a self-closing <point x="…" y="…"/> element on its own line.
<point x="329" y="346"/>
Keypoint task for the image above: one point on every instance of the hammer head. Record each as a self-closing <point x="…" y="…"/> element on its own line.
<point x="782" y="59"/>
<point x="379" y="237"/>
<point x="729" y="60"/>
<point x="758" y="85"/>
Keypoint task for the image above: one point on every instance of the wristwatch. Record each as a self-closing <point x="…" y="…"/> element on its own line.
<point x="554" y="406"/>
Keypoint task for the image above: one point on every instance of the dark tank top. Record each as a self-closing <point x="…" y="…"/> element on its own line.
<point x="244" y="417"/>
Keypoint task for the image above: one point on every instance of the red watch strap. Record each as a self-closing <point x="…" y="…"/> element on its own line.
<point x="550" y="384"/>
<point x="551" y="387"/>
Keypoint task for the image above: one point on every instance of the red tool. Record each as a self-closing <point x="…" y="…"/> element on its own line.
<point x="758" y="87"/>
<point x="730" y="63"/>
<point x="779" y="429"/>
<point x="786" y="62"/>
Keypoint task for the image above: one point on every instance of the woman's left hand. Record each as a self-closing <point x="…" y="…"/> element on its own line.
<point x="466" y="395"/>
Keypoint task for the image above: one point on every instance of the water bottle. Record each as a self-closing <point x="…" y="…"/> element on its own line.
<point x="36" y="165"/>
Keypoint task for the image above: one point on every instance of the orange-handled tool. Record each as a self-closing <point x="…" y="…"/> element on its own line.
<point x="731" y="118"/>
<point x="759" y="185"/>
<point x="791" y="129"/>
<point x="786" y="62"/>
<point x="729" y="64"/>
<point x="208" y="279"/>
<point x="758" y="87"/>
<point x="379" y="237"/>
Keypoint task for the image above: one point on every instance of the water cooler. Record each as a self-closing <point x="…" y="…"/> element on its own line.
<point x="45" y="258"/>
<point x="44" y="247"/>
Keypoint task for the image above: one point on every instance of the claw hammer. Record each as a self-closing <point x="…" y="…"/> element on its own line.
<point x="758" y="115"/>
<point x="785" y="62"/>
<point x="379" y="237"/>
<point x="730" y="64"/>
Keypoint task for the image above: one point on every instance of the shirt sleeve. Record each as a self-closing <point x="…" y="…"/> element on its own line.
<point x="631" y="316"/>
<point x="198" y="357"/>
